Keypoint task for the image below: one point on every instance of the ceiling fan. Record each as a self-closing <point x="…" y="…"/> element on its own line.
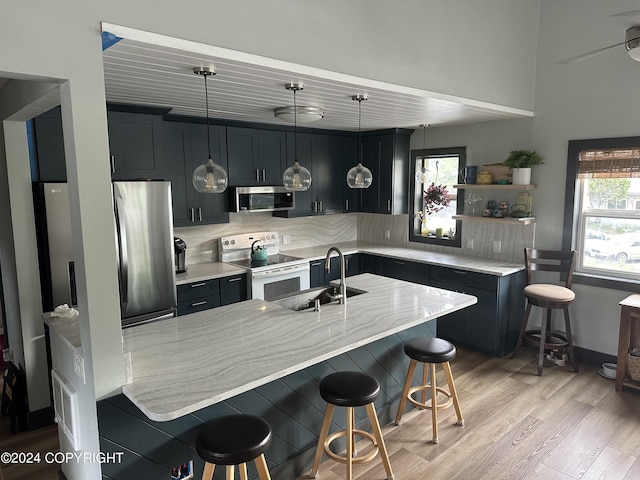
<point x="631" y="39"/>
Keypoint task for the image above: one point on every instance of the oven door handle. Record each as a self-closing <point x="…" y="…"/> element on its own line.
<point x="280" y="270"/>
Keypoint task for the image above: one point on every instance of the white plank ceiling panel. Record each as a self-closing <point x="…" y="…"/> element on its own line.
<point x="149" y="70"/>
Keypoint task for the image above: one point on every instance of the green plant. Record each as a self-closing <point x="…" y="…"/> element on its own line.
<point x="523" y="159"/>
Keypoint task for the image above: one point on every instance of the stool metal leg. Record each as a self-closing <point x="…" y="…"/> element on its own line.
<point x="377" y="432"/>
<point x="434" y="402"/>
<point x="207" y="473"/>
<point x="452" y="389"/>
<point x="326" y="422"/>
<point x="405" y="390"/>
<point x="261" y="466"/>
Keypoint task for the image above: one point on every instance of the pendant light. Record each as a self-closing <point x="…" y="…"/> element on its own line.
<point x="296" y="178"/>
<point x="359" y="176"/>
<point x="209" y="177"/>
<point x="423" y="175"/>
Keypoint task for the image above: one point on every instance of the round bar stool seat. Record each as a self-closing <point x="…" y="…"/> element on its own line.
<point x="234" y="440"/>
<point x="350" y="390"/>
<point x="430" y="351"/>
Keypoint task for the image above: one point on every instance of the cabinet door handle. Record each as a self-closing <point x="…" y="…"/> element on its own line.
<point x="460" y="272"/>
<point x="264" y="175"/>
<point x="199" y="214"/>
<point x="112" y="159"/>
<point x="192" y="214"/>
<point x="314" y="206"/>
<point x="388" y="205"/>
<point x="257" y="175"/>
<point x="320" y="206"/>
<point x="316" y="264"/>
<point x="196" y="285"/>
<point x="197" y="304"/>
<point x="234" y="279"/>
<point x="346" y="205"/>
<point x="399" y="262"/>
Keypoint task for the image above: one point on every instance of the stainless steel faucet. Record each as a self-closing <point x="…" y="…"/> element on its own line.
<point x="342" y="296"/>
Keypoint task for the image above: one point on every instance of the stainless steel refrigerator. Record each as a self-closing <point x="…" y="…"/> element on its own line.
<point x="144" y="228"/>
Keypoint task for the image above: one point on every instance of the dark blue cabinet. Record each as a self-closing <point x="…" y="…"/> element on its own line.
<point x="319" y="276"/>
<point x="49" y="144"/>
<point x="184" y="147"/>
<point x="493" y="323"/>
<point x="134" y="145"/>
<point x="256" y="157"/>
<point x="198" y="296"/>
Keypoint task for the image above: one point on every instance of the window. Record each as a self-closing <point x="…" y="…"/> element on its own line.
<point x="602" y="220"/>
<point x="441" y="166"/>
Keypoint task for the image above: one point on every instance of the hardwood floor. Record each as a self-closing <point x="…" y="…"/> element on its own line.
<point x="560" y="426"/>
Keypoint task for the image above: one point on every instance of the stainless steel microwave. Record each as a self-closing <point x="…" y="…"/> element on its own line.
<point x="261" y="199"/>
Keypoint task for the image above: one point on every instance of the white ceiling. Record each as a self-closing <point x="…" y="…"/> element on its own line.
<point x="153" y="70"/>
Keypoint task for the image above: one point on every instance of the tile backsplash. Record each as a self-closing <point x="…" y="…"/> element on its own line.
<point x="202" y="241"/>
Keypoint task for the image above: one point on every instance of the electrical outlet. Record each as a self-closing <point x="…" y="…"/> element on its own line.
<point x="497" y="246"/>
<point x="470" y="243"/>
<point x="286" y="239"/>
<point x="387" y="234"/>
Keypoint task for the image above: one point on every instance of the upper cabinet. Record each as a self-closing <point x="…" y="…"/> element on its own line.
<point x="184" y="147"/>
<point x="387" y="156"/>
<point x="256" y="157"/>
<point x="326" y="156"/>
<point x="47" y="129"/>
<point x="134" y="145"/>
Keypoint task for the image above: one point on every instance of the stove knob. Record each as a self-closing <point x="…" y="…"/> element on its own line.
<point x="273" y="236"/>
<point x="226" y="242"/>
<point x="233" y="242"/>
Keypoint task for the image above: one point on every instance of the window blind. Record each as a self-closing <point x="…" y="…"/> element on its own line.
<point x="609" y="163"/>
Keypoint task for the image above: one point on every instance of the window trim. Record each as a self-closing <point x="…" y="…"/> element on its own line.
<point x="571" y="213"/>
<point x="461" y="152"/>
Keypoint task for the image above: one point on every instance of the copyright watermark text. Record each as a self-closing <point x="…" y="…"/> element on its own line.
<point x="60" y="457"/>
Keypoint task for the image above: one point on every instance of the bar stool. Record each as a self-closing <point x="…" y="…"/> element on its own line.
<point x="350" y="389"/>
<point x="234" y="440"/>
<point x="430" y="351"/>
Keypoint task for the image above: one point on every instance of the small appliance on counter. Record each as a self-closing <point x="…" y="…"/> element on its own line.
<point x="179" y="250"/>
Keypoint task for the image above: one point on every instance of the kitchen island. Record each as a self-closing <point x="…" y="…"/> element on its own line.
<point x="262" y="358"/>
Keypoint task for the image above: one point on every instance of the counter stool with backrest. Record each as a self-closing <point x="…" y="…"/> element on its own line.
<point x="430" y="351"/>
<point x="350" y="390"/>
<point x="234" y="440"/>
<point x="550" y="297"/>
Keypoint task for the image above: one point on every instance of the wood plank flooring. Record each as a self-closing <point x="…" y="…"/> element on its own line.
<point x="560" y="426"/>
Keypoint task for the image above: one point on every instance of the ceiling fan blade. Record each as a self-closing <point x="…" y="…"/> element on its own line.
<point x="630" y="18"/>
<point x="584" y="56"/>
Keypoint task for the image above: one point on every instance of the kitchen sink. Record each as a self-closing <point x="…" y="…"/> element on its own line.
<point x="306" y="299"/>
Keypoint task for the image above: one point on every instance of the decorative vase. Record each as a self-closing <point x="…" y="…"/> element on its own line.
<point x="424" y="230"/>
<point x="521" y="176"/>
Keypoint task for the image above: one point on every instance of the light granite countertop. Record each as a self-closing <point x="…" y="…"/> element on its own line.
<point x="184" y="364"/>
<point x="463" y="262"/>
<point x="68" y="329"/>
<point x="206" y="271"/>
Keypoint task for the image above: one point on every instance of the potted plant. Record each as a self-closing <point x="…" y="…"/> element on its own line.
<point x="521" y="162"/>
<point x="435" y="198"/>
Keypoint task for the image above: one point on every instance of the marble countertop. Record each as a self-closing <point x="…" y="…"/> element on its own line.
<point x="463" y="262"/>
<point x="66" y="328"/>
<point x="183" y="364"/>
<point x="206" y="271"/>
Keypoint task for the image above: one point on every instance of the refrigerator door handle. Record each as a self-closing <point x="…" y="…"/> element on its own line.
<point x="73" y="295"/>
<point x="122" y="247"/>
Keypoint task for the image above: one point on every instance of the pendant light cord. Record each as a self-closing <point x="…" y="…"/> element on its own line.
<point x="206" y="101"/>
<point x="359" y="130"/>
<point x="295" y="127"/>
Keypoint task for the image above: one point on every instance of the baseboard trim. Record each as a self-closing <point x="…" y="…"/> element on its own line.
<point x="591" y="357"/>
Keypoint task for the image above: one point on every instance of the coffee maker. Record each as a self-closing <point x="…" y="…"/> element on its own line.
<point x="179" y="250"/>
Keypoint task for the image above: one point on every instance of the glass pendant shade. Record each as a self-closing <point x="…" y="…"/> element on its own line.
<point x="359" y="177"/>
<point x="210" y="178"/>
<point x="296" y="178"/>
<point x="423" y="175"/>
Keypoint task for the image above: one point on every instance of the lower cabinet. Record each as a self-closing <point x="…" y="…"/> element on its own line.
<point x="491" y="325"/>
<point x="198" y="296"/>
<point x="319" y="276"/>
<point x="403" y="270"/>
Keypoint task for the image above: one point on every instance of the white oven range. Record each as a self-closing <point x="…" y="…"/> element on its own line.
<point x="278" y="275"/>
